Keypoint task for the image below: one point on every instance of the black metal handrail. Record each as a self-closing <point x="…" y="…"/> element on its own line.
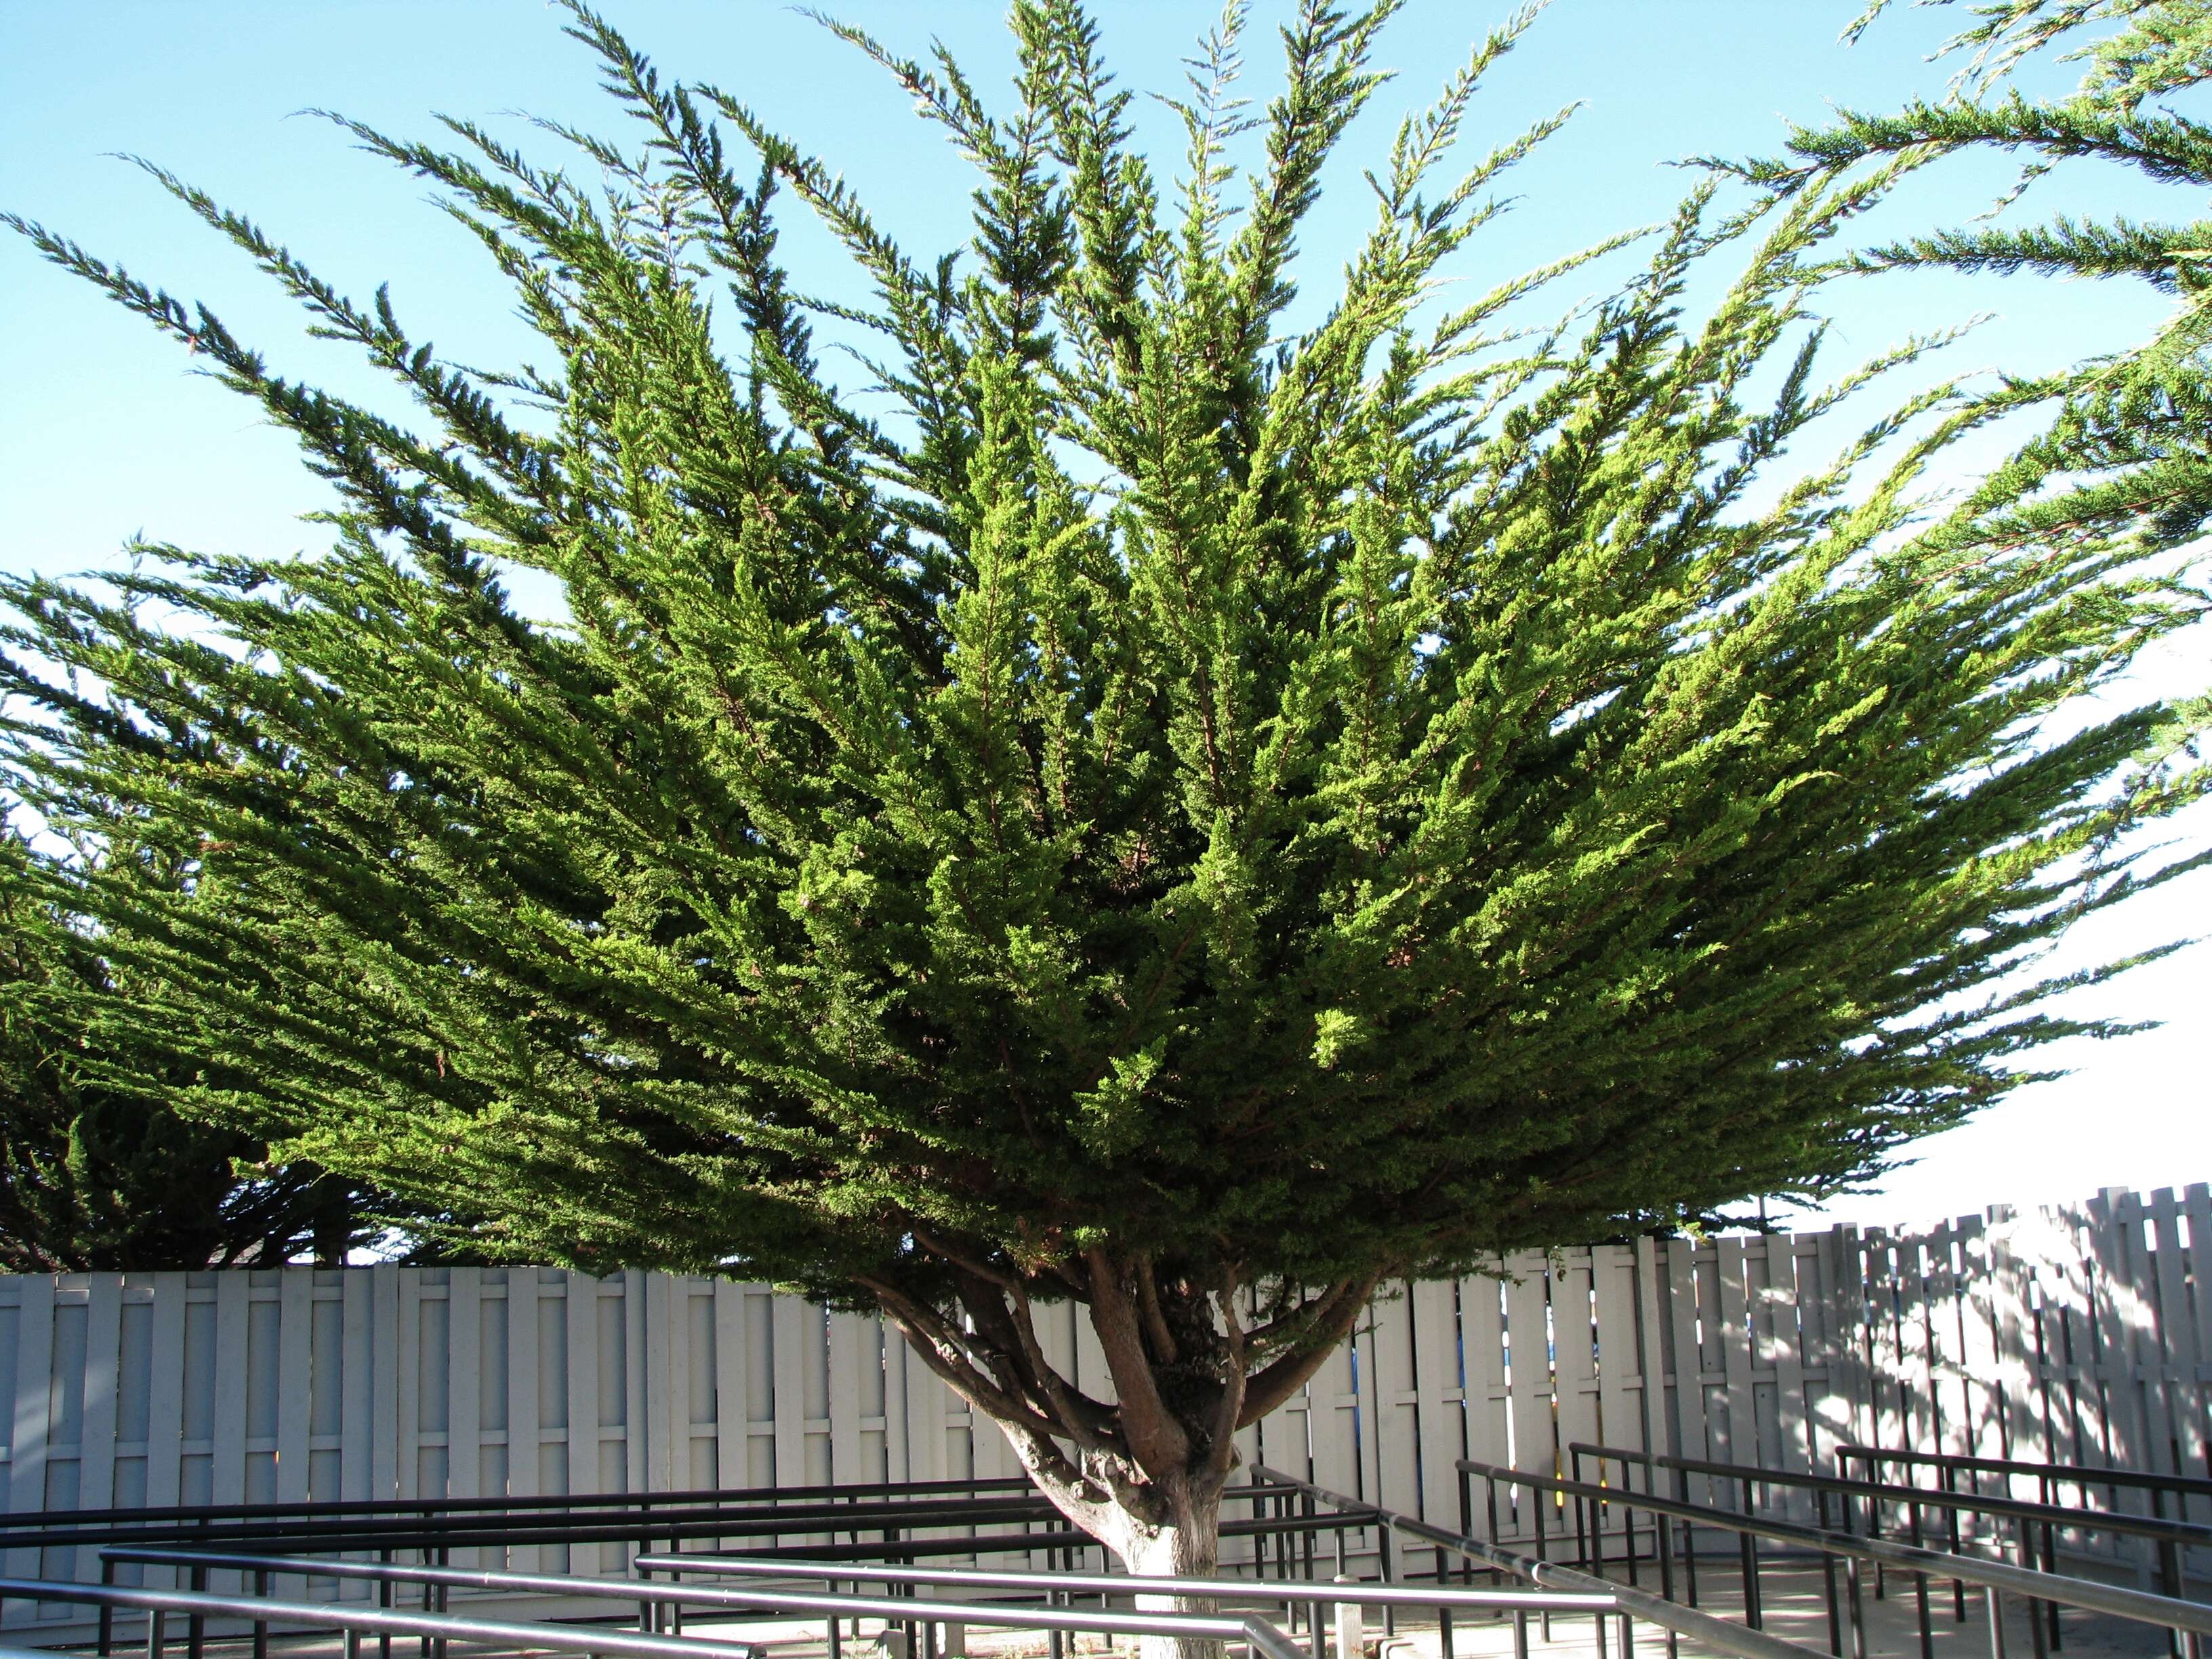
<point x="2069" y="1475"/>
<point x="1996" y="1578"/>
<point x="2036" y="1526"/>
<point x="2017" y="1508"/>
<point x="642" y="1530"/>
<point x="48" y="1519"/>
<point x="580" y="1519"/>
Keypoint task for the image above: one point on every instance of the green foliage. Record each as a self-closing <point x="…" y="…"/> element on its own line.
<point x="1171" y="809"/>
<point x="2136" y="421"/>
<point x="99" y="1171"/>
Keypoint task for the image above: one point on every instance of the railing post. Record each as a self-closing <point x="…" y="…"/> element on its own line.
<point x="1748" y="1547"/>
<point x="2024" y="1538"/>
<point x="1828" y="1581"/>
<point x="1920" y="1591"/>
<point x="1387" y="1536"/>
<point x="196" y="1626"/>
<point x="1950" y="1484"/>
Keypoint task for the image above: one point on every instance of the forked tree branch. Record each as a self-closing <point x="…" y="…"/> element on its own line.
<point x="946" y="1352"/>
<point x="1337" y="1311"/>
<point x="1158" y="1442"/>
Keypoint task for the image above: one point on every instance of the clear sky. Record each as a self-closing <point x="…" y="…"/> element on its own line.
<point x="105" y="432"/>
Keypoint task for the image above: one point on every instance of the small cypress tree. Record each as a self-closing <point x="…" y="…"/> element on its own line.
<point x="98" y="1172"/>
<point x="1179" y="812"/>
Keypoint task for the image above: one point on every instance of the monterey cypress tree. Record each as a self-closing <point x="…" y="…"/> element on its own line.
<point x="99" y="1171"/>
<point x="1160" y="807"/>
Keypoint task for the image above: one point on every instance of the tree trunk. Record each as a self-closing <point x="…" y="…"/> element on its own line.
<point x="1142" y="1472"/>
<point x="1187" y="1546"/>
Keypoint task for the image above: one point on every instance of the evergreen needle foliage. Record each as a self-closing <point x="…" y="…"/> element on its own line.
<point x="99" y="1171"/>
<point x="1154" y="805"/>
<point x="2137" y="422"/>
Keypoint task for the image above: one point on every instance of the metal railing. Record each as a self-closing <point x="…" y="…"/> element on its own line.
<point x="601" y="1519"/>
<point x="196" y="1514"/>
<point x="841" y="1522"/>
<point x="1996" y="1578"/>
<point x="1291" y="1593"/>
<point x="2035" y="1526"/>
<point x="1631" y="1603"/>
<point x="2047" y="1476"/>
<point x="357" y="1622"/>
<point x="1258" y="1634"/>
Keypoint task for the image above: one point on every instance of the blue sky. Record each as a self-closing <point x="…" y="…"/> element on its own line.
<point x="106" y="433"/>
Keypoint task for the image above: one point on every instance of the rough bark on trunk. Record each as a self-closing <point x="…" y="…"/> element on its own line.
<point x="1188" y="1547"/>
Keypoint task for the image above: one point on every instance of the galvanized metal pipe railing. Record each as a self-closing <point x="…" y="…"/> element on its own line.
<point x="644" y="1596"/>
<point x="1289" y="1592"/>
<point x="1997" y="1578"/>
<point x="357" y="1622"/>
<point x="1262" y="1635"/>
<point x="643" y="1593"/>
<point x="1674" y="1618"/>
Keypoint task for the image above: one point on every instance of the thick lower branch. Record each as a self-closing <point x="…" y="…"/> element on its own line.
<point x="1160" y="1446"/>
<point x="1337" y="1311"/>
<point x="943" y="1350"/>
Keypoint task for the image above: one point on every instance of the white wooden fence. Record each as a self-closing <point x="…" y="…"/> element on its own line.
<point x="2078" y="1334"/>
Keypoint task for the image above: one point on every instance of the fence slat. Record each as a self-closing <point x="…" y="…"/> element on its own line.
<point x="103" y="1377"/>
<point x="27" y="1445"/>
<point x="295" y="1392"/>
<point x="579" y="1310"/>
<point x="233" y="1355"/>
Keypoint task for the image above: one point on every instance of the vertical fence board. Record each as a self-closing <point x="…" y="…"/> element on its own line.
<point x="464" y="1361"/>
<point x="27" y="1445"/>
<point x="1529" y="1371"/>
<point x="1684" y="1385"/>
<point x="1439" y="1400"/>
<point x="580" y="1309"/>
<point x="732" y="1412"/>
<point x="1489" y="1402"/>
<point x="791" y="1324"/>
<point x="232" y="1357"/>
<point x="295" y="1394"/>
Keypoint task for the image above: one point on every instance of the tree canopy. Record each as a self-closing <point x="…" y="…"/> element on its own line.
<point x="1140" y="802"/>
<point x="99" y="1169"/>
